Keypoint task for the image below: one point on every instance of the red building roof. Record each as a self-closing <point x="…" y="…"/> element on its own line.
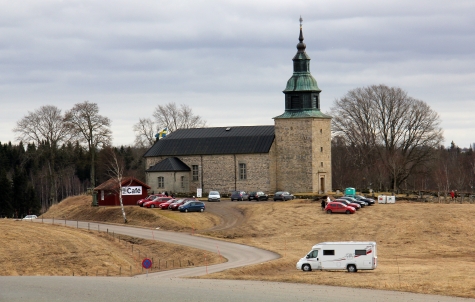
<point x="111" y="184"/>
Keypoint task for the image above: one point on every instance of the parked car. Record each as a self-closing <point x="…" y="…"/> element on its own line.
<point x="259" y="195"/>
<point x="174" y="206"/>
<point x="351" y="204"/>
<point x="214" y="196"/>
<point x="351" y="199"/>
<point x="166" y="204"/>
<point x="369" y="201"/>
<point x="156" y="202"/>
<point x="192" y="206"/>
<point x="283" y="196"/>
<point x="140" y="202"/>
<point x="30" y="217"/>
<point x="239" y="195"/>
<point x="338" y="207"/>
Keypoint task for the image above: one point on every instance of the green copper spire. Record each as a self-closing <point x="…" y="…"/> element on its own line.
<point x="302" y="95"/>
<point x="302" y="79"/>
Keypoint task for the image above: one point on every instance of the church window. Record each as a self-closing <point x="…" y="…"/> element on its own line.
<point x="321" y="149"/>
<point x="161" y="182"/>
<point x="295" y="103"/>
<point x="183" y="181"/>
<point x="315" y="102"/>
<point x="242" y="171"/>
<point x="195" y="172"/>
<point x="321" y="164"/>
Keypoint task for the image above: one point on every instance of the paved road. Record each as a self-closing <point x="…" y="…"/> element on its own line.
<point x="236" y="254"/>
<point x="164" y="286"/>
<point x="76" y="289"/>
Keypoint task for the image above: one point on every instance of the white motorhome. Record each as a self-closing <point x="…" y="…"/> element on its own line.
<point x="349" y="255"/>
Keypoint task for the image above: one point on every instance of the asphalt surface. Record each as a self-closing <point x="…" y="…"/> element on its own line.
<point x="77" y="289"/>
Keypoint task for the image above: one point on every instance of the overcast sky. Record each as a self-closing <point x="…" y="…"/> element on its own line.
<point x="230" y="60"/>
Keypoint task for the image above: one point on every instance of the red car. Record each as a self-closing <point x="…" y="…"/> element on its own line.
<point x="140" y="202"/>
<point x="155" y="203"/>
<point x="174" y="206"/>
<point x="165" y="205"/>
<point x="351" y="204"/>
<point x="338" y="207"/>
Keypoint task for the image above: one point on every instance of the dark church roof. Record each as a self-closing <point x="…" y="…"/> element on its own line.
<point x="212" y="141"/>
<point x="170" y="164"/>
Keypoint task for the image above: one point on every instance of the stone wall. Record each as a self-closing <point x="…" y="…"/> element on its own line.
<point x="303" y="154"/>
<point x="221" y="173"/>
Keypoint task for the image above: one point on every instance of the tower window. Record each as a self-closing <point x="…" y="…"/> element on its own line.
<point x="315" y="102"/>
<point x="295" y="103"/>
<point x="321" y="164"/>
<point x="321" y="149"/>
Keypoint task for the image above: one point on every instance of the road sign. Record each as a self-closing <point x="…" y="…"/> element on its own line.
<point x="147" y="263"/>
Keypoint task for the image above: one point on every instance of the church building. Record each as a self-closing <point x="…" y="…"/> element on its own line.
<point x="292" y="155"/>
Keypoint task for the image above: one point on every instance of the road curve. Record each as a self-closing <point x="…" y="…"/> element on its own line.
<point x="162" y="287"/>
<point x="237" y="254"/>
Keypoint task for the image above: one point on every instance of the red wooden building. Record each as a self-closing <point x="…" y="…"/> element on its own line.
<point x="132" y="190"/>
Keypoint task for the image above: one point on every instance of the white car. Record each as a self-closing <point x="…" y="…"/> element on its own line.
<point x="214" y="196"/>
<point x="30" y="217"/>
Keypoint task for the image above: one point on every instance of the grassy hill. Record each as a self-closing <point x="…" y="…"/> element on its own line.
<point x="422" y="247"/>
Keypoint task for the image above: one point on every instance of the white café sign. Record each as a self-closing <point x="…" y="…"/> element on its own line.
<point x="131" y="190"/>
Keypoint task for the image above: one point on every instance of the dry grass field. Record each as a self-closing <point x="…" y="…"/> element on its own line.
<point x="35" y="249"/>
<point x="422" y="247"/>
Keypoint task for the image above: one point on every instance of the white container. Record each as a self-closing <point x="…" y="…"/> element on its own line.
<point x="391" y="199"/>
<point x="382" y="199"/>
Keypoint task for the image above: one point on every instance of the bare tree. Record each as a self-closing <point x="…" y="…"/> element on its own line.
<point x="90" y="128"/>
<point x="45" y="126"/>
<point x="384" y="122"/>
<point x="115" y="169"/>
<point x="145" y="131"/>
<point x="174" y="118"/>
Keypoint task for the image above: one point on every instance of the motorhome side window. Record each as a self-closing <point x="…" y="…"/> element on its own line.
<point x="360" y="252"/>
<point x="313" y="254"/>
<point x="328" y="252"/>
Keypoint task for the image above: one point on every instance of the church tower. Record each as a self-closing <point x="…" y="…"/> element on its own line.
<point x="303" y="133"/>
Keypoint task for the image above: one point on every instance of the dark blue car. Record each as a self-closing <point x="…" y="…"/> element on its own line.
<point x="192" y="206"/>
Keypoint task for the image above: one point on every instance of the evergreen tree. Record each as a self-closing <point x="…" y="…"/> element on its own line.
<point x="6" y="195"/>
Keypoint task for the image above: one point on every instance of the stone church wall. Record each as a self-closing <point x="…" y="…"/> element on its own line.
<point x="221" y="172"/>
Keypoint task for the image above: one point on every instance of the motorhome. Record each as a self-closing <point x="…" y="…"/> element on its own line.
<point x="349" y="255"/>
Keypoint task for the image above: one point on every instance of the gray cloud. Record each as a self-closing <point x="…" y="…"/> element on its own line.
<point x="228" y="57"/>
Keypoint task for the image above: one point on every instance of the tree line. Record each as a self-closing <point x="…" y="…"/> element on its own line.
<point x="25" y="174"/>
<point x="382" y="139"/>
<point x="385" y="140"/>
<point x="63" y="154"/>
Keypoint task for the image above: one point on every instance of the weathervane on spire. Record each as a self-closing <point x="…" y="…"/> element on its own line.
<point x="301" y="20"/>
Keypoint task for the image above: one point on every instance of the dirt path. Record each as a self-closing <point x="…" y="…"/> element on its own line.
<point x="231" y="216"/>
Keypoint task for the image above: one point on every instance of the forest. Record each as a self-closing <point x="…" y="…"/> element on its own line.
<point x="25" y="174"/>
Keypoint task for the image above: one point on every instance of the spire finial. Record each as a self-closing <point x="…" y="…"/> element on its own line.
<point x="301" y="45"/>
